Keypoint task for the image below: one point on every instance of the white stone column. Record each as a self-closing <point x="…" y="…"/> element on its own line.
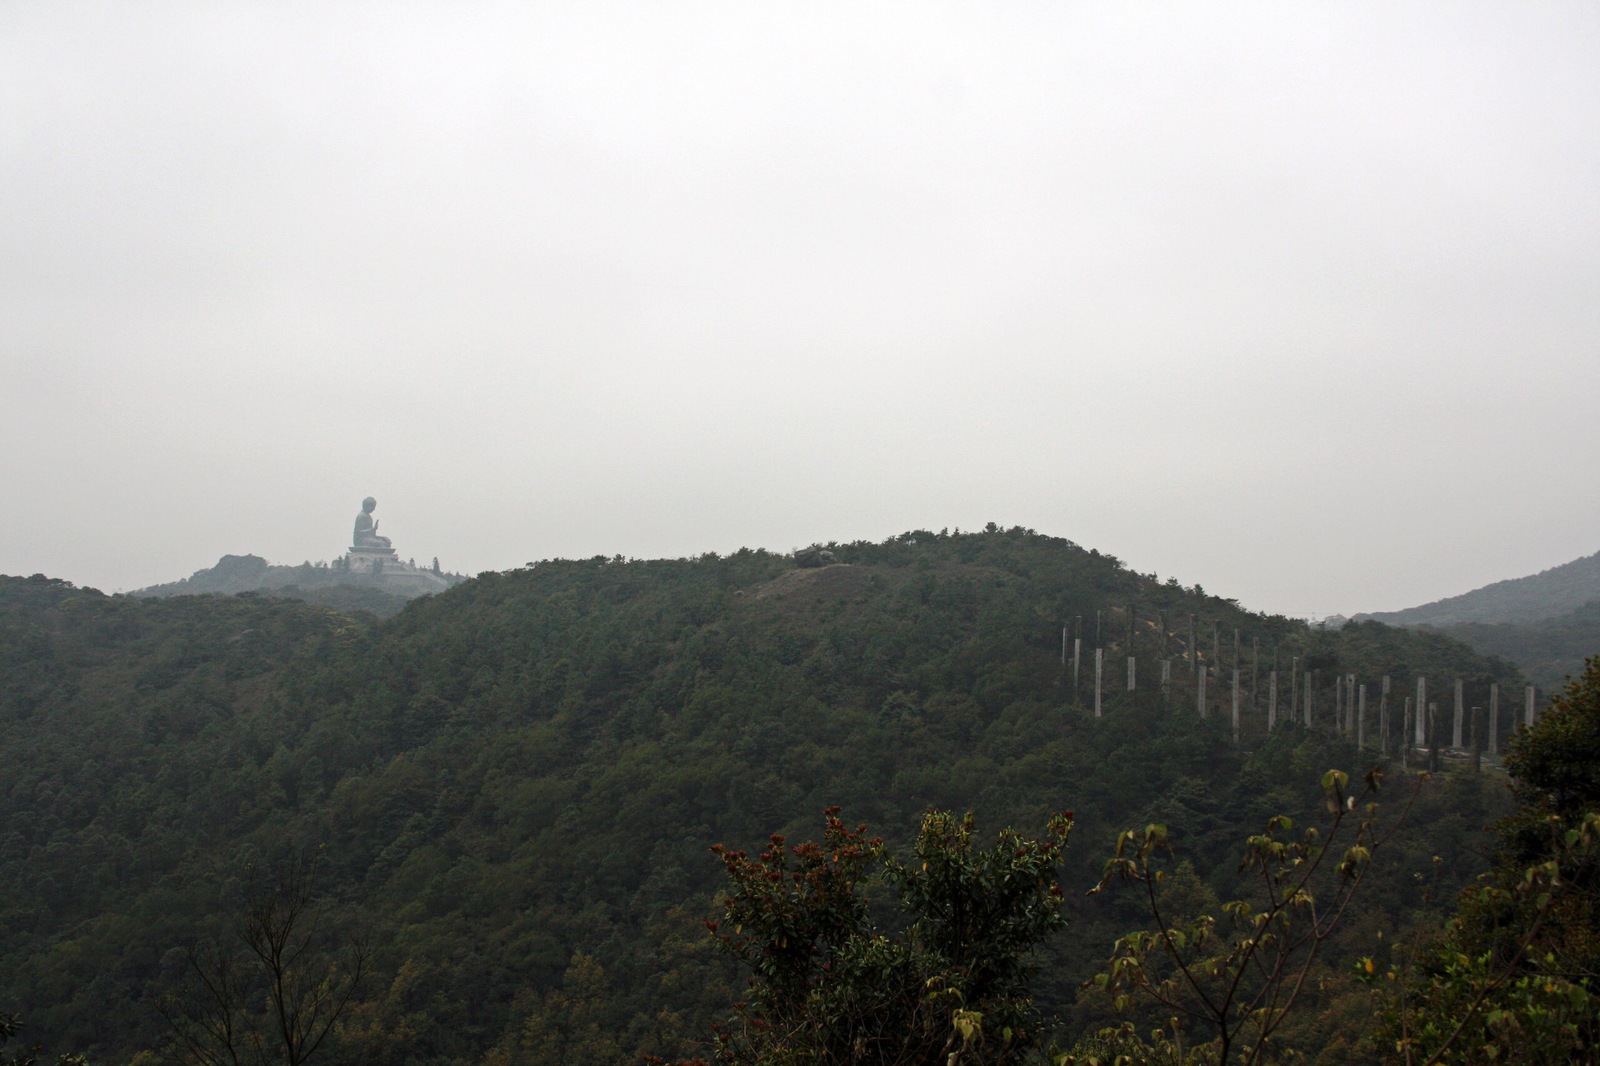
<point x="1456" y="738"/>
<point x="1099" y="668"/>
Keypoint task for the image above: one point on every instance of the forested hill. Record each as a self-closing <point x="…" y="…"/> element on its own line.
<point x="1546" y="623"/>
<point x="1549" y="651"/>
<point x="515" y="783"/>
<point x="1557" y="591"/>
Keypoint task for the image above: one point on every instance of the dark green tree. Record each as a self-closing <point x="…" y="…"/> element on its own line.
<point x="1515" y="976"/>
<point x="275" y="996"/>
<point x="10" y="1026"/>
<point x="1225" y="984"/>
<point x="945" y="981"/>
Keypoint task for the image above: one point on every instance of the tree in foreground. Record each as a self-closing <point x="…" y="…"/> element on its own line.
<point x="945" y="980"/>
<point x="275" y="995"/>
<point x="1515" y="977"/>
<point x="10" y="1026"/>
<point x="1222" y="987"/>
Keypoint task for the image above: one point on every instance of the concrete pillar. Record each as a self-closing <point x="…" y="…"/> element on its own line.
<point x="1272" y="701"/>
<point x="1255" y="674"/>
<point x="1133" y="673"/>
<point x="1361" y="717"/>
<point x="1527" y="709"/>
<point x="1456" y="739"/>
<point x="1200" y="692"/>
<point x="1077" y="655"/>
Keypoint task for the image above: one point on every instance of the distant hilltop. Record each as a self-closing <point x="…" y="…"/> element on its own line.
<point x="370" y="575"/>
<point x="382" y="593"/>
<point x="1557" y="591"/>
<point x="1547" y="623"/>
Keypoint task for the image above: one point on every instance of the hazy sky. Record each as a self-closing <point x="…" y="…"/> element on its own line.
<point x="1298" y="301"/>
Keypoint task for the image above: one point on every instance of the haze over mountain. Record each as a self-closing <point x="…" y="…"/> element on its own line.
<point x="1547" y="623"/>
<point x="1556" y="591"/>
<point x="1285" y="298"/>
<point x="1296" y="301"/>
<point x="1549" y="651"/>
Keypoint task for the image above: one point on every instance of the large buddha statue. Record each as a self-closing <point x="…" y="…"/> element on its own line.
<point x="367" y="538"/>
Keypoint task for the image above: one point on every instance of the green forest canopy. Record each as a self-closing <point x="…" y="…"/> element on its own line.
<point x="516" y="783"/>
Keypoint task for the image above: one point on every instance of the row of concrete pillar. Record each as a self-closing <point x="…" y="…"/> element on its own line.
<point x="1350" y="703"/>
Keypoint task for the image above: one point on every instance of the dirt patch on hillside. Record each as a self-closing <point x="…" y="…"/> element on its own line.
<point x="841" y="581"/>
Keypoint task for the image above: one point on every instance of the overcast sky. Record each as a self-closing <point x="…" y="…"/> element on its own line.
<point x="1297" y="301"/>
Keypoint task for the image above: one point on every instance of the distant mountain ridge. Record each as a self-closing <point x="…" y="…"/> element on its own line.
<point x="1549" y="651"/>
<point x="1547" y="623"/>
<point x="1557" y="591"/>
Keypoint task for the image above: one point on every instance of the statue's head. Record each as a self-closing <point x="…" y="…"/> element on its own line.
<point x="368" y="504"/>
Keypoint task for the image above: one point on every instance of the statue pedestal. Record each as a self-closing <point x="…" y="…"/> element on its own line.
<point x="370" y="560"/>
<point x="382" y="568"/>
